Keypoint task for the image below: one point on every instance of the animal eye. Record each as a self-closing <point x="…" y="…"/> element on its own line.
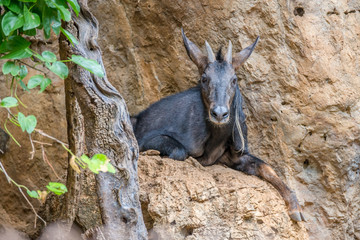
<point x="204" y="79"/>
<point x="234" y="80"/>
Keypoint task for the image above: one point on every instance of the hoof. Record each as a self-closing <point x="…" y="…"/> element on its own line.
<point x="151" y="152"/>
<point x="297" y="216"/>
<point x="295" y="211"/>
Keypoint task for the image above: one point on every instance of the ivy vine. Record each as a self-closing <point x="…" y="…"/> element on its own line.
<point x="21" y="20"/>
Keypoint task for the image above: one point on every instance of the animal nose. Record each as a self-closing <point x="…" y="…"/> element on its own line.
<point x="220" y="113"/>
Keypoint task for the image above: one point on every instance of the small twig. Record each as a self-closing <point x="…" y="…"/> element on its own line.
<point x="42" y="143"/>
<point x="48" y="136"/>
<point x="19" y="186"/>
<point x="37" y="69"/>
<point x="77" y="159"/>
<point x="12" y="115"/>
<point x="11" y="180"/>
<point x="32" y="153"/>
<point x="47" y="161"/>
<point x="32" y="207"/>
<point x="4" y="171"/>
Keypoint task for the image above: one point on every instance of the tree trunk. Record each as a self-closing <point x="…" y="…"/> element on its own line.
<point x="106" y="205"/>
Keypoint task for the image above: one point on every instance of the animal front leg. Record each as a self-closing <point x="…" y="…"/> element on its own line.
<point x="167" y="146"/>
<point x="255" y="166"/>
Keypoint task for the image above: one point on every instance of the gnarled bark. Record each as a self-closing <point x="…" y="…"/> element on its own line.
<point x="98" y="122"/>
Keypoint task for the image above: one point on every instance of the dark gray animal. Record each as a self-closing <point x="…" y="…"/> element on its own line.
<point x="207" y="122"/>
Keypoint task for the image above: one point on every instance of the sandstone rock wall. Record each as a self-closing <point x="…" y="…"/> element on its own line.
<point x="301" y="85"/>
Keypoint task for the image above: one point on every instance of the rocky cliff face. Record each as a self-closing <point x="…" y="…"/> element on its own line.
<point x="301" y="88"/>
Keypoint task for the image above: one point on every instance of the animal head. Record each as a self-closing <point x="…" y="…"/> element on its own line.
<point x="218" y="79"/>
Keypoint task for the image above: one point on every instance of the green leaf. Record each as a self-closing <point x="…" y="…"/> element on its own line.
<point x="15" y="7"/>
<point x="15" y="70"/>
<point x="50" y="3"/>
<point x="50" y="18"/>
<point x="93" y="166"/>
<point x="69" y="36"/>
<point x="31" y="32"/>
<point x="89" y="64"/>
<point x="23" y="71"/>
<point x="33" y="194"/>
<point x="35" y="81"/>
<point x="31" y="20"/>
<point x="62" y="7"/>
<point x="27" y="0"/>
<point x="39" y="56"/>
<point x="65" y="14"/>
<point x="75" y="6"/>
<point x="4" y="2"/>
<point x="11" y="67"/>
<point x="17" y="54"/>
<point x="7" y="67"/>
<point x="11" y="22"/>
<point x="21" y="119"/>
<point x="57" y="188"/>
<point x="9" y="102"/>
<point x="14" y="43"/>
<point x="99" y="162"/>
<point x="59" y="69"/>
<point x="99" y="157"/>
<point x="28" y="123"/>
<point x="49" y="56"/>
<point x="46" y="82"/>
<point x="56" y="26"/>
<point x="110" y="168"/>
<point x="23" y="86"/>
<point x="85" y="158"/>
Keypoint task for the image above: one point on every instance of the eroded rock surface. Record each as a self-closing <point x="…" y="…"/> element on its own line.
<point x="184" y="200"/>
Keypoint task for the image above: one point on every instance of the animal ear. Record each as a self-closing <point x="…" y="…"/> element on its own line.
<point x="194" y="53"/>
<point x="240" y="57"/>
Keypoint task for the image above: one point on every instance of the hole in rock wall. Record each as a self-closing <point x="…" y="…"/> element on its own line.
<point x="187" y="231"/>
<point x="333" y="12"/>
<point x="259" y="221"/>
<point x="306" y="163"/>
<point x="299" y="11"/>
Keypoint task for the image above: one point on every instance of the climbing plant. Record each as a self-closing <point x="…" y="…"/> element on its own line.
<point x="21" y="21"/>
